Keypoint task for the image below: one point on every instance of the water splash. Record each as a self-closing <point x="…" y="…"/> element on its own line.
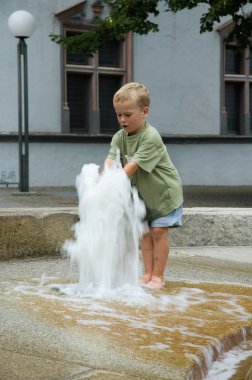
<point x="226" y="366"/>
<point x="106" y="245"/>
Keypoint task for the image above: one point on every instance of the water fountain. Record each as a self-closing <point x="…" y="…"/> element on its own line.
<point x="107" y="235"/>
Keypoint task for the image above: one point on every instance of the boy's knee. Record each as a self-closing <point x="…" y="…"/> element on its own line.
<point x="158" y="233"/>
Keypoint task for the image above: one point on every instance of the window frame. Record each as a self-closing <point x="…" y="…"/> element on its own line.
<point x="93" y="69"/>
<point x="244" y="79"/>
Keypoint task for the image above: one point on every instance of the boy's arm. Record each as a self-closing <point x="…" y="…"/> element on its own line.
<point x="130" y="168"/>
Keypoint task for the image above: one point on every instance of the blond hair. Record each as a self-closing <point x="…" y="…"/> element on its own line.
<point x="135" y="92"/>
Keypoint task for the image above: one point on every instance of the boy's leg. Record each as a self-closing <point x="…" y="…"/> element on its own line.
<point x="161" y="251"/>
<point x="147" y="248"/>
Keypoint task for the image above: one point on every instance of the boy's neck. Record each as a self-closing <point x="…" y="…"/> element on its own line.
<point x="139" y="130"/>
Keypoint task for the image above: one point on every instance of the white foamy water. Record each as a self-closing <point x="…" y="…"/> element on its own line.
<point x="128" y="295"/>
<point x="226" y="366"/>
<point x="106" y="245"/>
<point x="134" y="296"/>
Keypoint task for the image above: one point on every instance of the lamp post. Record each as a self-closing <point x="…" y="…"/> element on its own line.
<point x="22" y="25"/>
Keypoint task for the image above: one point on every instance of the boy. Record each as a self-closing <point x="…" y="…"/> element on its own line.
<point x="145" y="160"/>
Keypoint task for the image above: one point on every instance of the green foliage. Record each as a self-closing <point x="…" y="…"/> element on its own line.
<point x="125" y="17"/>
<point x="241" y="32"/>
<point x="134" y="16"/>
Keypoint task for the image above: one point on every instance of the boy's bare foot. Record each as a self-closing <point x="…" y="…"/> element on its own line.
<point x="156" y="282"/>
<point x="145" y="279"/>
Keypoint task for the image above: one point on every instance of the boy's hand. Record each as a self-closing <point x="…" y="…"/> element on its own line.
<point x="107" y="163"/>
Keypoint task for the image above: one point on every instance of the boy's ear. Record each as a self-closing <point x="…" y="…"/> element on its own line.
<point x="146" y="111"/>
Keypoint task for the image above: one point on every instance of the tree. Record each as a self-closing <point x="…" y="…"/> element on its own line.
<point x="134" y="16"/>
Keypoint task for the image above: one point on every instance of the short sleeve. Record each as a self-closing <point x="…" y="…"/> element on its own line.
<point x="114" y="146"/>
<point x="148" y="155"/>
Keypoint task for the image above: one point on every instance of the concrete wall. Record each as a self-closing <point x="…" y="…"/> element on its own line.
<point x="182" y="69"/>
<point x="213" y="164"/>
<point x="57" y="164"/>
<point x="52" y="164"/>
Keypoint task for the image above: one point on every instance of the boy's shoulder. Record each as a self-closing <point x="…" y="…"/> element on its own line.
<point x="152" y="130"/>
<point x="118" y="135"/>
<point x="152" y="134"/>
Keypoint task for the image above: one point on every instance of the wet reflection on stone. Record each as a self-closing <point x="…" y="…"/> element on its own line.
<point x="185" y="324"/>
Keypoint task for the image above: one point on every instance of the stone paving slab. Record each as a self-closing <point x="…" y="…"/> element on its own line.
<point x="194" y="196"/>
<point x="235" y="255"/>
<point x="19" y="366"/>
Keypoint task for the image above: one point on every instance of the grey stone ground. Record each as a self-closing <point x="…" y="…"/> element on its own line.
<point x="194" y="196"/>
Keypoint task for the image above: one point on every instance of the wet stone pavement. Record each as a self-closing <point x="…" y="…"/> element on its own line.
<point x="174" y="334"/>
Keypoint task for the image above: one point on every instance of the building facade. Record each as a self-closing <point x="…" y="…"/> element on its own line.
<point x="200" y="95"/>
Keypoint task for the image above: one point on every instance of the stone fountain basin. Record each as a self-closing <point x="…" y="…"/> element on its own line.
<point x="48" y="335"/>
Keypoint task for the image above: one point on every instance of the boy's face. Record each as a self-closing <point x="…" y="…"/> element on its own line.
<point x="130" y="116"/>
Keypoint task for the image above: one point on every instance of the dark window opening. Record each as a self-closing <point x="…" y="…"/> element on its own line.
<point x="76" y="58"/>
<point x="250" y="106"/>
<point x="233" y="61"/>
<point x="78" y="90"/>
<point x="108" y="85"/>
<point x="250" y="61"/>
<point x="233" y="96"/>
<point x="110" y="54"/>
<point x="236" y="104"/>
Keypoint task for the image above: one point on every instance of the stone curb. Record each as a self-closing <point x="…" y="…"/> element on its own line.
<point x="27" y="232"/>
<point x="214" y="227"/>
<point x="34" y="232"/>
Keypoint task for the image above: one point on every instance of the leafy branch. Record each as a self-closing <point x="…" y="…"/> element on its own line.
<point x="125" y="17"/>
<point x="134" y="16"/>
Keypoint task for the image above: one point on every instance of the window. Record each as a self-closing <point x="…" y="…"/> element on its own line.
<point x="236" y="88"/>
<point x="108" y="85"/>
<point x="233" y="104"/>
<point x="233" y="60"/>
<point x="78" y="96"/>
<point x="90" y="83"/>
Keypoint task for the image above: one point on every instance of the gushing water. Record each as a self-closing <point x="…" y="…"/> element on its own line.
<point x="106" y="245"/>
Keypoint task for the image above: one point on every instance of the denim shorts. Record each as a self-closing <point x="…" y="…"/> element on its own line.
<point x="173" y="219"/>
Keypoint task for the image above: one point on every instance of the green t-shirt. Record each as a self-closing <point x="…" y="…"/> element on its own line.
<point x="157" y="180"/>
